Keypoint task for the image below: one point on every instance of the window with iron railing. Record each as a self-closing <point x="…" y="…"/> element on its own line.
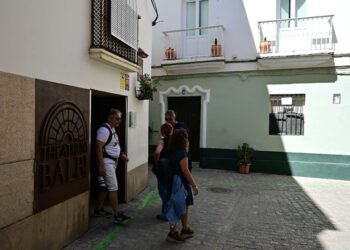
<point x="287" y="114"/>
<point x="115" y="27"/>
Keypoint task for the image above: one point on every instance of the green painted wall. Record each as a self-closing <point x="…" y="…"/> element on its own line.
<point x="297" y="164"/>
<point x="238" y="110"/>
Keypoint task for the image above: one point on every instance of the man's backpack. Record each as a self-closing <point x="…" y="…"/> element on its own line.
<point x="105" y="154"/>
<point x="163" y="170"/>
<point x="110" y="133"/>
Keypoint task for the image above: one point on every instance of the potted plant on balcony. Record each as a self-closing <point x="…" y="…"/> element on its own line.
<point x="170" y="53"/>
<point x="146" y="87"/>
<point x="216" y="49"/>
<point x="265" y="46"/>
<point x="244" y="153"/>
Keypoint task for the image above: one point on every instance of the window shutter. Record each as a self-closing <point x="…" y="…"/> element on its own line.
<point x="124" y="20"/>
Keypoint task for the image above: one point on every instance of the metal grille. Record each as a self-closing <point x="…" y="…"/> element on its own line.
<point x="287" y="114"/>
<point x="101" y="32"/>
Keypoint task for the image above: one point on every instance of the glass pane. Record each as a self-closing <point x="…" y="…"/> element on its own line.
<point x="285" y="9"/>
<point x="203" y="16"/>
<point x="300" y="8"/>
<point x="190" y="18"/>
<point x="285" y="12"/>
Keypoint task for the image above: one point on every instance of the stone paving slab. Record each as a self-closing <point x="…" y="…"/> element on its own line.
<point x="236" y="211"/>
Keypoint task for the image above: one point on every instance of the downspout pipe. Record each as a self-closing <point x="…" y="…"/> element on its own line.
<point x="154" y="22"/>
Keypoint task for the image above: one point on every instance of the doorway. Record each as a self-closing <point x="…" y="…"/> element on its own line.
<point x="101" y="102"/>
<point x="188" y="110"/>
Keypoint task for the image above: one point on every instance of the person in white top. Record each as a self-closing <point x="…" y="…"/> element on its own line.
<point x="108" y="152"/>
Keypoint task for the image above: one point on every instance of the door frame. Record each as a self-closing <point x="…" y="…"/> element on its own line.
<point x="184" y="91"/>
<point x="96" y="96"/>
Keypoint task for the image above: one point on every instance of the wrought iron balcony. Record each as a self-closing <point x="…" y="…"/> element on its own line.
<point x="196" y="43"/>
<point x="297" y="36"/>
<point x="105" y="46"/>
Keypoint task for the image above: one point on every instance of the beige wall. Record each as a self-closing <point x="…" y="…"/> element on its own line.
<point x="17" y="100"/>
<point x="19" y="227"/>
<point x="136" y="181"/>
<point x="38" y="232"/>
<point x="17" y="121"/>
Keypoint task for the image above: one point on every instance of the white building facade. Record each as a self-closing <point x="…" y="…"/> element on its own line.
<point x="63" y="64"/>
<point x="273" y="74"/>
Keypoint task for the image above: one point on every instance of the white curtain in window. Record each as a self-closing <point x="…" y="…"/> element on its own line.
<point x="190" y="17"/>
<point x="203" y="16"/>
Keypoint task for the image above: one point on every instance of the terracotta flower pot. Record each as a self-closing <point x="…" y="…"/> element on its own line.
<point x="170" y="54"/>
<point x="244" y="168"/>
<point x="265" y="47"/>
<point x="216" y="50"/>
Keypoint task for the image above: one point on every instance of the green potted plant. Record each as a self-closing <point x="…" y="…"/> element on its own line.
<point x="146" y="87"/>
<point x="244" y="153"/>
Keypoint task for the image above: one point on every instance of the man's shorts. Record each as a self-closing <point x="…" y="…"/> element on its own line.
<point x="109" y="181"/>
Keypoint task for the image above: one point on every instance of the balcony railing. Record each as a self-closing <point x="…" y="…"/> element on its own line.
<point x="101" y="37"/>
<point x="310" y="35"/>
<point x="194" y="43"/>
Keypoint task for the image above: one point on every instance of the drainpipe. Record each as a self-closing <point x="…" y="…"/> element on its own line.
<point x="154" y="22"/>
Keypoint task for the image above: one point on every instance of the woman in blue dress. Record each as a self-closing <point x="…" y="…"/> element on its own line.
<point x="178" y="153"/>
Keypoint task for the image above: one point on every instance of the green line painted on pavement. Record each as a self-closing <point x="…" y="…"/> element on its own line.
<point x="109" y="238"/>
<point x="106" y="241"/>
<point x="150" y="197"/>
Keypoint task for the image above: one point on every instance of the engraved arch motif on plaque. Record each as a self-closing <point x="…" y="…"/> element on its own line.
<point x="65" y="123"/>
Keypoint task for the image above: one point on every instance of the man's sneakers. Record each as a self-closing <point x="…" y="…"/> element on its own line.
<point x="173" y="236"/>
<point x="101" y="212"/>
<point x="187" y="233"/>
<point x="120" y="218"/>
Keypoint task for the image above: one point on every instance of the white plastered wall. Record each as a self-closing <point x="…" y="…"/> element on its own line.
<point x="50" y="40"/>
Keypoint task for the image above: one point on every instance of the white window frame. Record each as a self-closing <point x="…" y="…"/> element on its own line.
<point x="197" y="14"/>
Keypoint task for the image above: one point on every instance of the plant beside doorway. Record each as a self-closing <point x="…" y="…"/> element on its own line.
<point x="146" y="87"/>
<point x="244" y="153"/>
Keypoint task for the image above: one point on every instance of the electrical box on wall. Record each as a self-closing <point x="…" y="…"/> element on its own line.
<point x="132" y="119"/>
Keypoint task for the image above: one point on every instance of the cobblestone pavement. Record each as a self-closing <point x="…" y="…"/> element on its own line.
<point x="236" y="211"/>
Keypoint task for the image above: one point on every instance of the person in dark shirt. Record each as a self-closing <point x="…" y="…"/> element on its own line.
<point x="170" y="117"/>
<point x="161" y="151"/>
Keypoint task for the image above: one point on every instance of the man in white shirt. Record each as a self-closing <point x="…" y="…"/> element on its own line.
<point x="108" y="152"/>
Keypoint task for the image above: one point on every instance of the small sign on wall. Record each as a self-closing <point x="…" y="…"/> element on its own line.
<point x="132" y="119"/>
<point x="124" y="81"/>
